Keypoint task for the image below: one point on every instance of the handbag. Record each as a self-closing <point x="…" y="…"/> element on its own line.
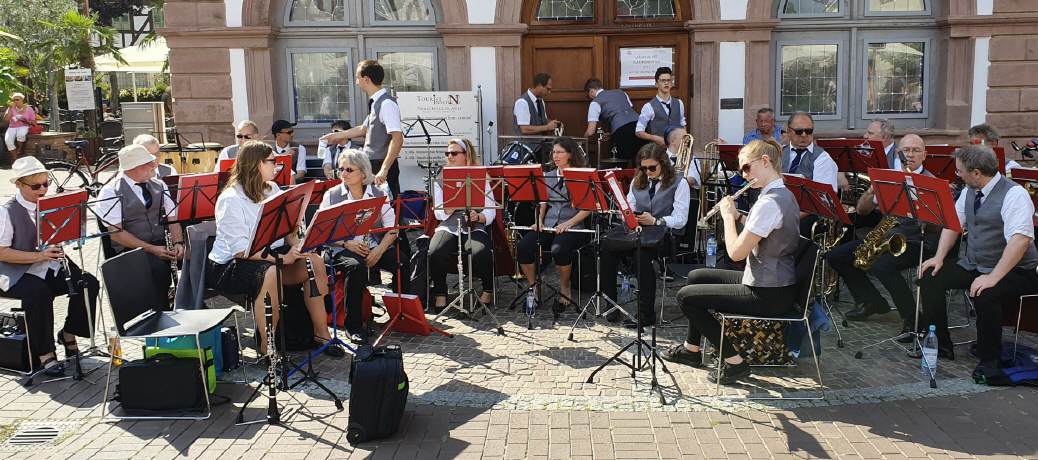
<point x="14" y="344"/>
<point x="619" y="239"/>
<point x="35" y="128"/>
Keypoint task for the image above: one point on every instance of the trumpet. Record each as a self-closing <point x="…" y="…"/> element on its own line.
<point x="704" y="222"/>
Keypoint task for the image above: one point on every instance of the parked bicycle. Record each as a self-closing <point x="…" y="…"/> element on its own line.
<point x="81" y="173"/>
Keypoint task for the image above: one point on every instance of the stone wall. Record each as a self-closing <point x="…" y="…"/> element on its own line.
<point x="1013" y="75"/>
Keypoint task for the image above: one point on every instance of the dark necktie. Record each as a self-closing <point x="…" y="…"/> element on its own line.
<point x="666" y="105"/>
<point x="371" y="102"/>
<point x="146" y="194"/>
<point x="796" y="160"/>
<point x="976" y="201"/>
<point x="652" y="187"/>
<point x="540" y="109"/>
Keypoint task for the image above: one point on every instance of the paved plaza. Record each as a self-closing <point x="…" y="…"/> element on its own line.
<point x="526" y="395"/>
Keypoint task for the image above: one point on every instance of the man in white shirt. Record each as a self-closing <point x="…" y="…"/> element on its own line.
<point x="802" y="157"/>
<point x="244" y="131"/>
<point x="614" y="110"/>
<point x="152" y="144"/>
<point x="136" y="204"/>
<point x="284" y="132"/>
<point x="662" y="113"/>
<point x="330" y="153"/>
<point x="999" y="261"/>
<point x="529" y="112"/>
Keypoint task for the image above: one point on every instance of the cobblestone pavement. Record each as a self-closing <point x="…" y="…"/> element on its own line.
<point x="525" y="395"/>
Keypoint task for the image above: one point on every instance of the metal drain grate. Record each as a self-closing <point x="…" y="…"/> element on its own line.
<point x="34" y="435"/>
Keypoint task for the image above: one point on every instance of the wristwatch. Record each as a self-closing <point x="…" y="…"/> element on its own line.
<point x="659" y="221"/>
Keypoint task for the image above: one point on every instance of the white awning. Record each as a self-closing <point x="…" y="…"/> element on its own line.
<point x="139" y="59"/>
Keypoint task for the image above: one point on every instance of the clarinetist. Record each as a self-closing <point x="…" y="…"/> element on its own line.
<point x="137" y="204"/>
<point x="37" y="277"/>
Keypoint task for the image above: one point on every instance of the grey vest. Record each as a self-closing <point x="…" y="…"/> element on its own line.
<point x="376" y="141"/>
<point x="453" y="221"/>
<point x="560" y="209"/>
<point x="232" y="151"/>
<point x="660" y="119"/>
<point x="662" y="202"/>
<point x="985" y="242"/>
<point x="24" y="240"/>
<point x="143" y="223"/>
<point x="616" y="111"/>
<point x="772" y="263"/>
<point x="535" y="118"/>
<point x="337" y="195"/>
<point x="807" y="161"/>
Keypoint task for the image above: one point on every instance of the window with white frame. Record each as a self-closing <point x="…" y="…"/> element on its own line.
<point x="321" y="83"/>
<point x="885" y="46"/>
<point x="409" y="70"/>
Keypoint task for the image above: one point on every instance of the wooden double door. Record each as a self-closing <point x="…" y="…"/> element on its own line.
<point x="573" y="58"/>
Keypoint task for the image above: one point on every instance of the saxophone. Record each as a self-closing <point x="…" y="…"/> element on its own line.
<point x="874" y="245"/>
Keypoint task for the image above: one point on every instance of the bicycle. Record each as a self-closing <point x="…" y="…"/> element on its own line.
<point x="82" y="173"/>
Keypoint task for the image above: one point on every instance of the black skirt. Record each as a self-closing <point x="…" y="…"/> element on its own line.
<point x="238" y="276"/>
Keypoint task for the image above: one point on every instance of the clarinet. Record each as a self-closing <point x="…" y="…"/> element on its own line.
<point x="68" y="277"/>
<point x="172" y="263"/>
<point x="273" y="416"/>
<point x="311" y="278"/>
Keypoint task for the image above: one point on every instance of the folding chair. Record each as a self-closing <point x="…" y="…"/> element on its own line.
<point x="135" y="319"/>
<point x="807" y="256"/>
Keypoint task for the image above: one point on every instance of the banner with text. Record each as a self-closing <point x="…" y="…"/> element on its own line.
<point x="430" y="118"/>
<point x="79" y="89"/>
<point x="638" y="65"/>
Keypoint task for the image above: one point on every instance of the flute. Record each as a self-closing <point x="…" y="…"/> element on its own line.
<point x="704" y="222"/>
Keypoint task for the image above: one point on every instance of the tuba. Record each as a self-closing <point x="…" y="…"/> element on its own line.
<point x="684" y="153"/>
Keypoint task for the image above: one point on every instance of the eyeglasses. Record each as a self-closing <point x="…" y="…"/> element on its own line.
<point x="913" y="150"/>
<point x="746" y="167"/>
<point x="347" y="170"/>
<point x="35" y="187"/>
<point x="650" y="168"/>
<point x="243" y="136"/>
<point x="270" y="161"/>
<point x="451" y="153"/>
<point x="803" y="131"/>
<point x="664" y="80"/>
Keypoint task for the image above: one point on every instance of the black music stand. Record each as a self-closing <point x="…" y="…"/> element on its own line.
<point x="464" y="190"/>
<point x="615" y="192"/>
<point x="926" y="199"/>
<point x="819" y="199"/>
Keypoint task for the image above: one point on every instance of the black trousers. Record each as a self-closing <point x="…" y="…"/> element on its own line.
<point x="161" y="274"/>
<point x="393" y="177"/>
<point x="988" y="304"/>
<point x="563" y="246"/>
<point x="887" y="269"/>
<point x="723" y="291"/>
<point x="646" y="275"/>
<point x="444" y="244"/>
<point x="37" y="296"/>
<point x="626" y="143"/>
<point x="360" y="277"/>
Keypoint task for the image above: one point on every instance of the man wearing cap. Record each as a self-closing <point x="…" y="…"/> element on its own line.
<point x="383" y="138"/>
<point x="283" y="133"/>
<point x="137" y="203"/>
<point x="37" y="277"/>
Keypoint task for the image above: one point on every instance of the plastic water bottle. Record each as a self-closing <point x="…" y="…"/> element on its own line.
<point x="711" y="251"/>
<point x="625" y="290"/>
<point x="530" y="301"/>
<point x="928" y="363"/>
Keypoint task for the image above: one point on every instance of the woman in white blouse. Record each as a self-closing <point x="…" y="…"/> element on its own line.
<point x="460" y="152"/>
<point x="231" y="271"/>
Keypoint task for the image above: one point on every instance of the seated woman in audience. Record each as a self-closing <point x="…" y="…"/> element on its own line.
<point x="358" y="255"/>
<point x="559" y="215"/>
<point x="444" y="243"/>
<point x="231" y="271"/>
<point x="768" y="243"/>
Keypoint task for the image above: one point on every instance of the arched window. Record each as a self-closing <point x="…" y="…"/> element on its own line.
<point x="645" y="9"/>
<point x="389" y="12"/>
<point x="316" y="11"/>
<point x="571" y="10"/>
<point x="850" y="62"/>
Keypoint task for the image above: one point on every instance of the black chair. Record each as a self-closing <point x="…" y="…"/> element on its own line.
<point x="806" y="257"/>
<point x="137" y="319"/>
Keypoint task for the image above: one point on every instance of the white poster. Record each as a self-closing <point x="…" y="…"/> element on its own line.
<point x="79" y="89"/>
<point x="638" y="65"/>
<point x="442" y="115"/>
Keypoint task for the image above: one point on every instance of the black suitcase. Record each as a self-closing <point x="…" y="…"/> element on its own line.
<point x="179" y="380"/>
<point x="14" y="344"/>
<point x="296" y="321"/>
<point x="230" y="349"/>
<point x="378" y="393"/>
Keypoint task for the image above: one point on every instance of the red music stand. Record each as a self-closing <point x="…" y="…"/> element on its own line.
<point x="280" y="215"/>
<point x="620" y="198"/>
<point x="320" y="188"/>
<point x="195" y="196"/>
<point x="225" y="165"/>
<point x="525" y="183"/>
<point x="464" y="187"/>
<point x="341" y="222"/>
<point x="283" y="168"/>
<point x="60" y="219"/>
<point x="406" y="315"/>
<point x="586" y="189"/>
<point x="728" y="155"/>
<point x="816" y="198"/>
<point x="854" y="155"/>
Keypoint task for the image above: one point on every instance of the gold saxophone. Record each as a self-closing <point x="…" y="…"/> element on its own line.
<point x="874" y="245"/>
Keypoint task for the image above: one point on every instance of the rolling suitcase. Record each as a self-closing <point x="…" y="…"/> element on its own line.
<point x="378" y="393"/>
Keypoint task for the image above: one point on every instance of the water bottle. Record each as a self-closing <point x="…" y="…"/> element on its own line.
<point x="711" y="251"/>
<point x="928" y="363"/>
<point x="529" y="302"/>
<point x="115" y="349"/>
<point x="625" y="290"/>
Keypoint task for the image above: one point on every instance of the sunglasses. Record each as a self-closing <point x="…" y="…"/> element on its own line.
<point x="243" y="136"/>
<point x="35" y="187"/>
<point x="803" y="131"/>
<point x="746" y="167"/>
<point x="452" y="153"/>
<point x="347" y="170"/>
<point x="650" y="168"/>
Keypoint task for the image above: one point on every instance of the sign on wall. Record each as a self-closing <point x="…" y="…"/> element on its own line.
<point x="638" y="65"/>
<point x="79" y="89"/>
<point x="443" y="115"/>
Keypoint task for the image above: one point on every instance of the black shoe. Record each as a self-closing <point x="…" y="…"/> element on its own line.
<point x="53" y="368"/>
<point x="356" y="338"/>
<point x="335" y="351"/>
<point x="631" y="324"/>
<point x="679" y="354"/>
<point x="862" y="311"/>
<point x="614" y="316"/>
<point x="906" y="332"/>
<point x="730" y="373"/>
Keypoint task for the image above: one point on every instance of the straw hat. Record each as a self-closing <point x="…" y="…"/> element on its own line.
<point x="25" y="167"/>
<point x="133" y="156"/>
